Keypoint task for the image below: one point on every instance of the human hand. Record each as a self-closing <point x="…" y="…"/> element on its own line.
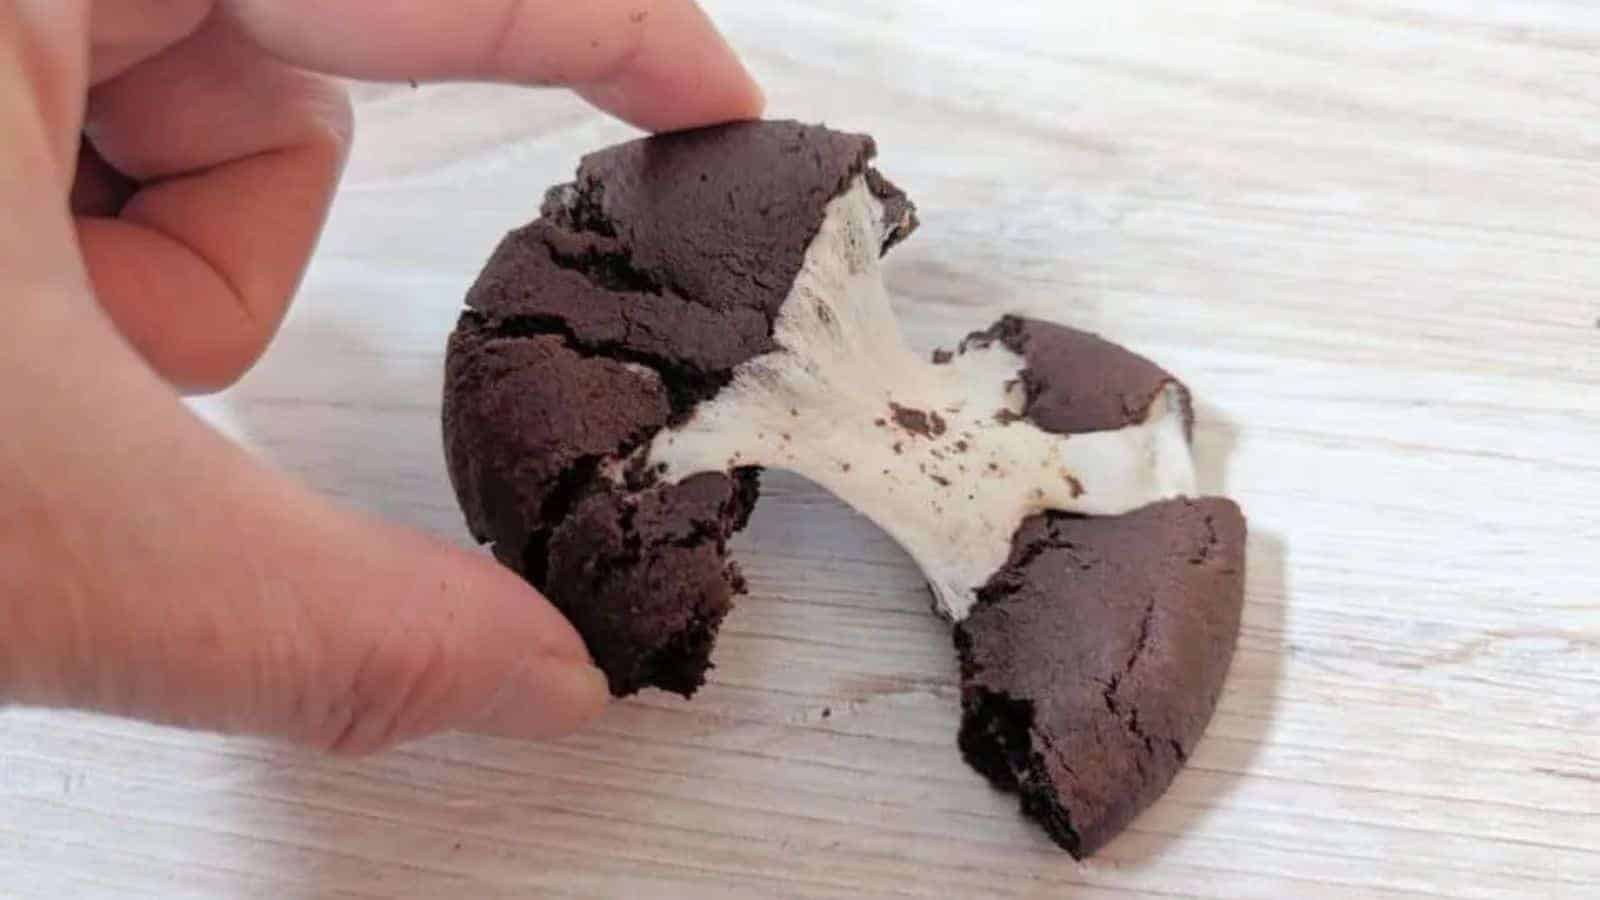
<point x="149" y="568"/>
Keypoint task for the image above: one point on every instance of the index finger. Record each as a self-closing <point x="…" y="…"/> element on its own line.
<point x="658" y="64"/>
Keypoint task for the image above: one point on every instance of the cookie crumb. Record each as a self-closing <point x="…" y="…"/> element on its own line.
<point x="917" y="422"/>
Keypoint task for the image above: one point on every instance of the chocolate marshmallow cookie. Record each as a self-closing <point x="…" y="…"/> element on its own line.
<point x="695" y="307"/>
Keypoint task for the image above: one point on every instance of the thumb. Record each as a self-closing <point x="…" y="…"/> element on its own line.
<point x="150" y="568"/>
<point x="365" y="635"/>
<point x="175" y="580"/>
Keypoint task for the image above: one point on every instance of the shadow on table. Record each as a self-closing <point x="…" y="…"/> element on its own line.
<point x="1244" y="714"/>
<point x="1215" y="437"/>
<point x="1242" y="722"/>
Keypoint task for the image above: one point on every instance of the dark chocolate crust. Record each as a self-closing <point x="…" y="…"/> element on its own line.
<point x="1094" y="658"/>
<point x="1094" y="662"/>
<point x="632" y="298"/>
<point x="527" y="421"/>
<point x="677" y="251"/>
<point x="649" y="574"/>
<point x="1076" y="381"/>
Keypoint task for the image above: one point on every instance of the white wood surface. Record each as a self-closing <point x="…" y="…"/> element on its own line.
<point x="1367" y="232"/>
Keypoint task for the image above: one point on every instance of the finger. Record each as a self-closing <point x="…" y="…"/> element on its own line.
<point x="176" y="581"/>
<point x="43" y="71"/>
<point x="238" y="155"/>
<point x="659" y="64"/>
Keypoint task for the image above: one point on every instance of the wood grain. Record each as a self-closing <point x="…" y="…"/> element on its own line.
<point x="1367" y="232"/>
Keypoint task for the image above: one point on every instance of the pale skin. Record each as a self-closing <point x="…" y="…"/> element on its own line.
<point x="149" y="568"/>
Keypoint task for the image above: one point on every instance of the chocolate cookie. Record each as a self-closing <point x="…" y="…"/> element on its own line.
<point x="1093" y="661"/>
<point x="1079" y="382"/>
<point x="643" y="284"/>
<point x="697" y="306"/>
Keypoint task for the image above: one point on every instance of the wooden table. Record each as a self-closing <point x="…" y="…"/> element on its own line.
<point x="1367" y="232"/>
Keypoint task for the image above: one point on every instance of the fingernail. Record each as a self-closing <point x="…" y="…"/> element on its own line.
<point x="545" y="698"/>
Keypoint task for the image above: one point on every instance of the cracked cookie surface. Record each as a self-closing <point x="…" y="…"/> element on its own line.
<point x="1094" y="661"/>
<point x="640" y="288"/>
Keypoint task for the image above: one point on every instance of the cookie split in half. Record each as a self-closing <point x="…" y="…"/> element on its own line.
<point x="698" y="306"/>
